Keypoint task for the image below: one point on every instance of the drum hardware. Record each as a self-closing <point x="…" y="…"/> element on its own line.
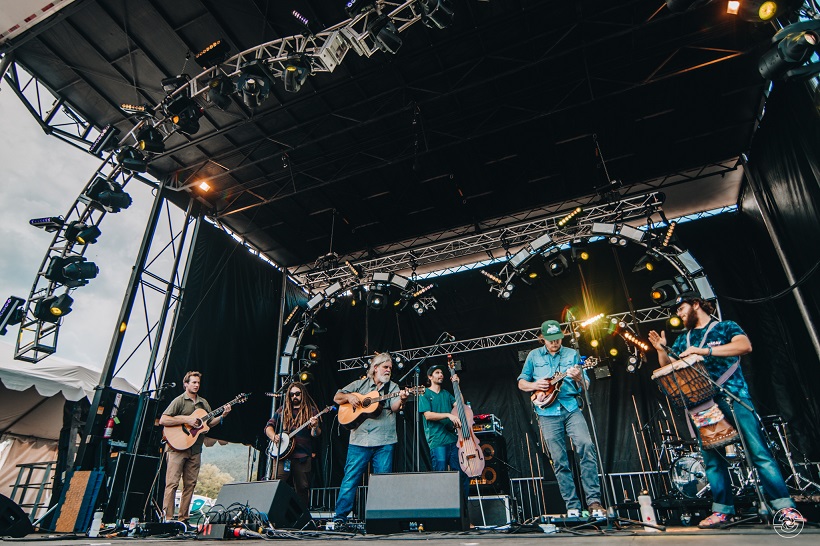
<point x="779" y="425"/>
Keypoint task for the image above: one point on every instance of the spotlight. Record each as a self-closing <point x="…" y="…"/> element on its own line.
<point x="733" y="7"/>
<point x="437" y="13"/>
<point x="613" y="352"/>
<point x="212" y="55"/>
<point x="644" y="263"/>
<point x="557" y="265"/>
<point x="220" y="90"/>
<point x="357" y="270"/>
<point x="184" y="113"/>
<point x="569" y="217"/>
<point x="50" y="309"/>
<point x="631" y="338"/>
<point x="578" y="250"/>
<point x="291" y="314"/>
<point x="592" y="320"/>
<point x="385" y="34"/>
<point x="137" y="109"/>
<point x="399" y="361"/>
<point x="311" y="353"/>
<point x="520" y="257"/>
<point x="632" y="364"/>
<point x="594" y="343"/>
<point x="49" y="223"/>
<point x="204" y="186"/>
<point x="667" y="293"/>
<point x="674" y="324"/>
<point x="295" y="73"/>
<point x="492" y="278"/>
<point x="171" y="84"/>
<point x="254" y="83"/>
<point x="617" y="241"/>
<point x="794" y="46"/>
<point x="376" y="300"/>
<point x="669" y="232"/>
<point x="11" y="313"/>
<point x="107" y="141"/>
<point x="79" y="232"/>
<point x="150" y="140"/>
<point x="132" y="160"/>
<point x="108" y="195"/>
<point x="760" y="11"/>
<point x="632" y="233"/>
<point x="71" y="271"/>
<point x="604" y="229"/>
<point x="305" y="377"/>
<point x="508" y="290"/>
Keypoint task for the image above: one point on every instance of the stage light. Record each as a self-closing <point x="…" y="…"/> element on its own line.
<point x="617" y="241"/>
<point x="220" y="89"/>
<point x="594" y="343"/>
<point x="108" y="195"/>
<point x="631" y="233"/>
<point x="631" y="338"/>
<point x="212" y="55"/>
<point x="52" y="308"/>
<point x="171" y="84"/>
<point x="11" y="313"/>
<point x="690" y="264"/>
<point x="437" y="13"/>
<point x="381" y="277"/>
<point x="603" y="229"/>
<point x="613" y="352"/>
<point x="295" y="73"/>
<point x="541" y="242"/>
<point x="592" y="320"/>
<point x="107" y="141"/>
<point x="644" y="263"/>
<point x="569" y="217"/>
<point x="132" y="160"/>
<point x="669" y="232"/>
<point x="532" y="275"/>
<point x="578" y="250"/>
<point x="399" y="281"/>
<point x="184" y="113"/>
<point x="254" y="83"/>
<point x="674" y="324"/>
<point x="733" y="7"/>
<point x="557" y="265"/>
<point x="71" y="271"/>
<point x="311" y="353"/>
<point x="357" y="271"/>
<point x="520" y="257"/>
<point x="49" y="223"/>
<point x="508" y="290"/>
<point x="332" y="289"/>
<point x="315" y="300"/>
<point x="150" y="139"/>
<point x="137" y="109"/>
<point x="492" y="278"/>
<point x="291" y="315"/>
<point x="794" y="46"/>
<point x="376" y="300"/>
<point x="204" y="186"/>
<point x="760" y="11"/>
<point x="399" y="361"/>
<point x="666" y="293"/>
<point x="81" y="233"/>
<point x="632" y="364"/>
<point x="385" y="34"/>
<point x="305" y="377"/>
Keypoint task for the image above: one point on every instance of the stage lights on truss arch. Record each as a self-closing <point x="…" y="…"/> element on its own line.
<point x="254" y="83"/>
<point x="794" y="46"/>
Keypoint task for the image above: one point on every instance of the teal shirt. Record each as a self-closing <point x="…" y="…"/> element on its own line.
<point x="438" y="433"/>
<point x="540" y="363"/>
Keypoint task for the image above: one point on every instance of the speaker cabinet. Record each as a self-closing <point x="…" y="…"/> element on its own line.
<point x="491" y="511"/>
<point x="137" y="504"/>
<point x="495" y="479"/>
<point x="399" y="502"/>
<point x="13" y="521"/>
<point x="275" y="498"/>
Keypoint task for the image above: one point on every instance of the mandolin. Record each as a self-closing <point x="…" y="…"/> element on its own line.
<point x="547" y="397"/>
<point x="470" y="454"/>
<point x="284" y="448"/>
<point x="350" y="417"/>
<point x="181" y="437"/>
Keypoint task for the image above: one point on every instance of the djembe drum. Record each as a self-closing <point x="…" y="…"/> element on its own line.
<point x="686" y="385"/>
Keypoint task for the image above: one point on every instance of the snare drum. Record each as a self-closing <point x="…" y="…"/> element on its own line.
<point x="686" y="385"/>
<point x="688" y="475"/>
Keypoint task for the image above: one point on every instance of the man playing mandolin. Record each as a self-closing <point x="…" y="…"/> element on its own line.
<point x="185" y="464"/>
<point x="374" y="439"/>
<point x="563" y="416"/>
<point x="298" y="409"/>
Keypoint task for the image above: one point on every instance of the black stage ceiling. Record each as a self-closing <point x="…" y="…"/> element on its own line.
<point x="492" y="116"/>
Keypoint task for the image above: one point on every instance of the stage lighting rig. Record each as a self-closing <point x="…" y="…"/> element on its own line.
<point x="11" y="313"/>
<point x="591" y="320"/>
<point x="578" y="250"/>
<point x="71" y="271"/>
<point x="296" y="71"/>
<point x="669" y="293"/>
<point x="437" y="13"/>
<point x="670" y="232"/>
<point x="220" y="89"/>
<point x="171" y="84"/>
<point x="385" y="34"/>
<point x="356" y="270"/>
<point x="149" y="139"/>
<point x="48" y="223"/>
<point x="565" y="221"/>
<point x="507" y="291"/>
<point x="131" y="160"/>
<point x="212" y="55"/>
<point x="52" y="308"/>
<point x="376" y="299"/>
<point x="184" y="113"/>
<point x="492" y="278"/>
<point x="310" y="354"/>
<point x="557" y="265"/>
<point x="761" y="11"/>
<point x="355" y="7"/>
<point x="424" y="304"/>
<point x="107" y="141"/>
<point x="644" y="263"/>
<point x="254" y="82"/>
<point x="137" y="109"/>
<point x="794" y="46"/>
<point x="80" y="232"/>
<point x="108" y="195"/>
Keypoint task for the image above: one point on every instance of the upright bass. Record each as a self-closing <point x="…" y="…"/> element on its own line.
<point x="470" y="455"/>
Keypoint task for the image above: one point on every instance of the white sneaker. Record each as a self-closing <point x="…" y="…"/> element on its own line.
<point x="573" y="513"/>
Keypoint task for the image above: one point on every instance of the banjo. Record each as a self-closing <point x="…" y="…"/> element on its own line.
<point x="283" y="449"/>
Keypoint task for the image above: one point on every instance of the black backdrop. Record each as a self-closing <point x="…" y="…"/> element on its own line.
<point x="229" y="319"/>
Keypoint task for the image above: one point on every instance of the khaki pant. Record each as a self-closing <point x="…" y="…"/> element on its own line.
<point x="185" y="465"/>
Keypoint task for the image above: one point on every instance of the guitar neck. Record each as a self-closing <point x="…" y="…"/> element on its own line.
<point x="561" y="375"/>
<point x="306" y="423"/>
<point x="218" y="411"/>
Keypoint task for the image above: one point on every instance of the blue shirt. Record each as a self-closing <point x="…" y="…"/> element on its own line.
<point x="540" y="363"/>
<point x="720" y="334"/>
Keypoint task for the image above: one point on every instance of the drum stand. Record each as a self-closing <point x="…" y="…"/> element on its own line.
<point x="795" y="476"/>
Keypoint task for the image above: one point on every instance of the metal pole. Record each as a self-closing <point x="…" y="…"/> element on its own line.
<point x="279" y="330"/>
<point x="778" y="248"/>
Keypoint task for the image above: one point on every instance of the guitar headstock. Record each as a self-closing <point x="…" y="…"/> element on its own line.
<point x="416" y="390"/>
<point x="590" y="362"/>
<point x="241" y="398"/>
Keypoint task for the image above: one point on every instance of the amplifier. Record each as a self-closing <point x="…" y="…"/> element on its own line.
<point x="491" y="511"/>
<point x="487" y="423"/>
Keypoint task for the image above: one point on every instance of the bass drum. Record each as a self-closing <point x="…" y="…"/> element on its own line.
<point x="688" y="476"/>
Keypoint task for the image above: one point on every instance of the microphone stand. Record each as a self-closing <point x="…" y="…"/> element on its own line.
<point x="731" y="398"/>
<point x="611" y="517"/>
<point x="273" y="472"/>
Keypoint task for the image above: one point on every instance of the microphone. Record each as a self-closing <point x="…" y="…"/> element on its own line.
<point x="670" y="352"/>
<point x="169" y="385"/>
<point x="449" y="336"/>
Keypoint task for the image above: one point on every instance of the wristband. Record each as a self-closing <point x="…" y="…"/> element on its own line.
<point x="710" y="352"/>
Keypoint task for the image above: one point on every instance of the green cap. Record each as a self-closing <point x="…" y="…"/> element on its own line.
<point x="551" y="330"/>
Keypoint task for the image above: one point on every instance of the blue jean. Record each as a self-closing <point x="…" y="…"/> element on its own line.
<point x="357" y="459"/>
<point x="717" y="468"/>
<point x="447" y="455"/>
<point x="554" y="427"/>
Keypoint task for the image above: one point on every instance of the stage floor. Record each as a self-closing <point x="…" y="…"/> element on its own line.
<point x="684" y="536"/>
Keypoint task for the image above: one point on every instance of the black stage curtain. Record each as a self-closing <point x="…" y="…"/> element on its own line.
<point x="227" y="330"/>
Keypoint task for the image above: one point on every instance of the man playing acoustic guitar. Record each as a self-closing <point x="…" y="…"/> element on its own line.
<point x="185" y="464"/>
<point x="374" y="439"/>
<point x="563" y="416"/>
<point x="298" y="409"/>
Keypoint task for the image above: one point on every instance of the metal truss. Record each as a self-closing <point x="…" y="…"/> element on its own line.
<point x="497" y="340"/>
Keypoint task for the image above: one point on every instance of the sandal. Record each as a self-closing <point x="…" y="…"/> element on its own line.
<point x="715" y="521"/>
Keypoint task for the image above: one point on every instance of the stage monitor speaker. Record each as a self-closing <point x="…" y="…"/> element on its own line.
<point x="13" y="521"/>
<point x="274" y="497"/>
<point x="399" y="502"/>
<point x="138" y="504"/>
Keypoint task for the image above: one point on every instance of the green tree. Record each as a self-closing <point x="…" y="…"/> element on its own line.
<point x="211" y="480"/>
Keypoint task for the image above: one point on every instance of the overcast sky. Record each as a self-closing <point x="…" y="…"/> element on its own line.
<point x="42" y="176"/>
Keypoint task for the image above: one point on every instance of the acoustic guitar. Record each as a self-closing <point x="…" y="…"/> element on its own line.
<point x="470" y="454"/>
<point x="351" y="418"/>
<point x="181" y="437"/>
<point x="284" y="448"/>
<point x="547" y="397"/>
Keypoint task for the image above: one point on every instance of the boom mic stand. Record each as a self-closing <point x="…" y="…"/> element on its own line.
<point x="611" y="517"/>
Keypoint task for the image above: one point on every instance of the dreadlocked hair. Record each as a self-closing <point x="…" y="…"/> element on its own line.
<point x="307" y="410"/>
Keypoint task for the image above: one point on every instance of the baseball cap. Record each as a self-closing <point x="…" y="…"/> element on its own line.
<point x="551" y="330"/>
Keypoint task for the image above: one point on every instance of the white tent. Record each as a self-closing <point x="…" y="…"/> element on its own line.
<point x="32" y="397"/>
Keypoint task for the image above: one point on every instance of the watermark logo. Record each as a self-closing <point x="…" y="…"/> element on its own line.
<point x="788" y="522"/>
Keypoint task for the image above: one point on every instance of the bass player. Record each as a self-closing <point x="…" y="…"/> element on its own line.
<point x="375" y="438"/>
<point x="563" y="417"/>
<point x="185" y="464"/>
<point x="298" y="409"/>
